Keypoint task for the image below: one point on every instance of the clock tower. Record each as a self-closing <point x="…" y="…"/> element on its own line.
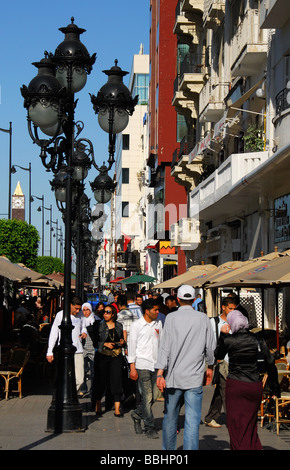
<point x="18" y="204"/>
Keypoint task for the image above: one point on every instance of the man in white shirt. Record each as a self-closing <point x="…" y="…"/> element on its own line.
<point x="78" y="332"/>
<point x="143" y="348"/>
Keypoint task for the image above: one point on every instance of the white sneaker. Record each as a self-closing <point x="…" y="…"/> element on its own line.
<point x="213" y="424"/>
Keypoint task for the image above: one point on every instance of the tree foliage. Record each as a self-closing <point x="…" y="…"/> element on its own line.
<point x="48" y="265"/>
<point x="19" y="242"/>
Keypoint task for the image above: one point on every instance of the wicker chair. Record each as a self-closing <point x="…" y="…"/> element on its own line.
<point x="283" y="403"/>
<point x="18" y="359"/>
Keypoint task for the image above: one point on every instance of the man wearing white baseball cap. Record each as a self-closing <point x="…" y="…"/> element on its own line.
<point x="188" y="341"/>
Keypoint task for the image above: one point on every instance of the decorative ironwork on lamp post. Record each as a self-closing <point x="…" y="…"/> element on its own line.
<point x="49" y="100"/>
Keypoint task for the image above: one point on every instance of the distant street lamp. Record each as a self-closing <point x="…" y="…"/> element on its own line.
<point x="9" y="131"/>
<point x="40" y="209"/>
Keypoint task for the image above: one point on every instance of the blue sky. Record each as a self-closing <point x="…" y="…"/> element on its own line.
<point x="114" y="30"/>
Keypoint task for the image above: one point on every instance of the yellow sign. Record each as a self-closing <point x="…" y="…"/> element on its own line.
<point x="165" y="248"/>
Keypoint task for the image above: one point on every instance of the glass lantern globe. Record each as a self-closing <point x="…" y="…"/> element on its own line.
<point x="43" y="94"/>
<point x="120" y="120"/>
<point x="59" y="184"/>
<point x="102" y="195"/>
<point x="79" y="78"/>
<point x="43" y="113"/>
<point x="52" y="131"/>
<point x="79" y="173"/>
<point x="60" y="194"/>
<point x="103" y="186"/>
<point x="72" y="60"/>
<point x="114" y="103"/>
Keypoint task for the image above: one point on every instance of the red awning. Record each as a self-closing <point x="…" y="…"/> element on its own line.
<point x="152" y="246"/>
<point x="118" y="279"/>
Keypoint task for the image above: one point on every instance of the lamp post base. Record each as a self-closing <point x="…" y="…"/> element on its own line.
<point x="65" y="412"/>
<point x="64" y="419"/>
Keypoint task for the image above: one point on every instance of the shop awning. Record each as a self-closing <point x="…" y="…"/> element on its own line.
<point x="235" y="106"/>
<point x="118" y="279"/>
<point x="193" y="271"/>
<point x="222" y="270"/>
<point x="18" y="272"/>
<point x="258" y="272"/>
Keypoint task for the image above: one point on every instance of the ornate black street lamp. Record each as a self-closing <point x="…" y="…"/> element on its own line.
<point x="49" y="100"/>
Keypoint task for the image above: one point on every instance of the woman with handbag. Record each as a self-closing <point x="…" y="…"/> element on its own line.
<point x="109" y="342"/>
<point x="244" y="381"/>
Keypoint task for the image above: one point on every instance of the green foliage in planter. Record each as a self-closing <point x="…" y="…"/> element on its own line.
<point x="253" y="139"/>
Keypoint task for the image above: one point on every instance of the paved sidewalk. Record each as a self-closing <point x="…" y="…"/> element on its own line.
<point x="23" y="427"/>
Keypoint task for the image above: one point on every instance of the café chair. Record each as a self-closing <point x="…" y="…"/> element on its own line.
<point x="14" y="369"/>
<point x="266" y="409"/>
<point x="282" y="413"/>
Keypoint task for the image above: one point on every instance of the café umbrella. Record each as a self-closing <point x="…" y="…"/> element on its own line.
<point x="138" y="278"/>
<point x="268" y="274"/>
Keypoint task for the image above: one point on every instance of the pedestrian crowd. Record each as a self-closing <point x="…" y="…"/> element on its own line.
<point x="138" y="348"/>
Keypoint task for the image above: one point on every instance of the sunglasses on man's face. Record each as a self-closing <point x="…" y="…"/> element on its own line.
<point x="107" y="311"/>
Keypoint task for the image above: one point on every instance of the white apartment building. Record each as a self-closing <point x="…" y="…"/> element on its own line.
<point x="235" y="82"/>
<point x="131" y="155"/>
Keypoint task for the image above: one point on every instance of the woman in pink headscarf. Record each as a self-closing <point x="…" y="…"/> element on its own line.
<point x="244" y="385"/>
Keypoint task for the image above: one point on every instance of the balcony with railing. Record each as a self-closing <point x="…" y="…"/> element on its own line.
<point x="184" y="172"/>
<point x="183" y="104"/>
<point x="220" y="182"/>
<point x="192" y="6"/>
<point x="185" y="233"/>
<point x="281" y="120"/>
<point x="211" y="99"/>
<point x="282" y="101"/>
<point x="214" y="11"/>
<point x="188" y="84"/>
<point x="191" y="74"/>
<point x="184" y="26"/>
<point x="248" y="46"/>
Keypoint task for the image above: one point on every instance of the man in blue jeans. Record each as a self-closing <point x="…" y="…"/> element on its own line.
<point x="187" y="342"/>
<point x="144" y="339"/>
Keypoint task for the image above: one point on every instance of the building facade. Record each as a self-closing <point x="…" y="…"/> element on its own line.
<point x="213" y="176"/>
<point x="129" y="171"/>
<point x="234" y="81"/>
<point x="169" y="198"/>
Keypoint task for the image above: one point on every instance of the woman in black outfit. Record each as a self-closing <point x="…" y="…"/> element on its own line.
<point x="244" y="382"/>
<point x="108" y="339"/>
